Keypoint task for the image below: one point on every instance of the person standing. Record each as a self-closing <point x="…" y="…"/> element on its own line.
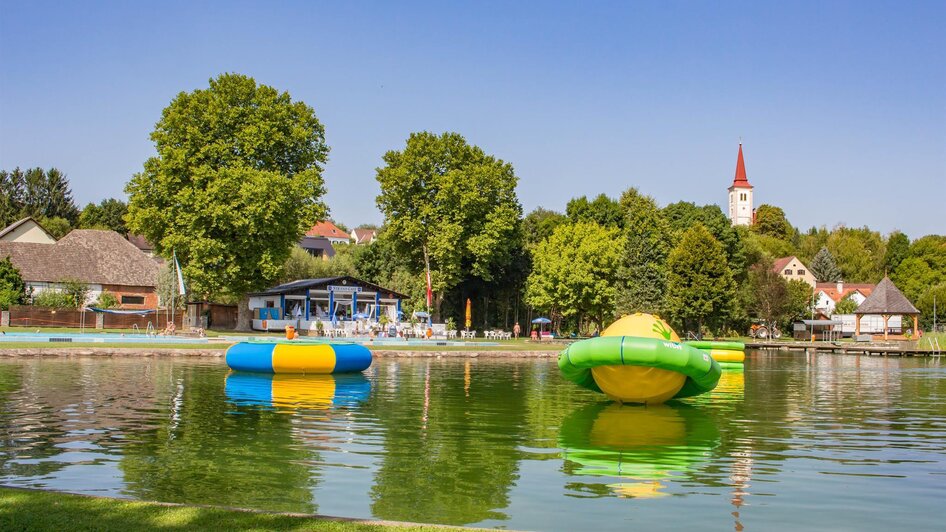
<point x="516" y="330"/>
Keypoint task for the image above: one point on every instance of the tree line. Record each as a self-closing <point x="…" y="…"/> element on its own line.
<point x="237" y="179"/>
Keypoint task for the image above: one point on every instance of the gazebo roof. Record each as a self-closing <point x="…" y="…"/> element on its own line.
<point x="886" y="299"/>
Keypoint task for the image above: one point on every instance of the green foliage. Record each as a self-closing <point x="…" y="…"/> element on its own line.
<point x="449" y="200"/>
<point x="574" y="271"/>
<point x="108" y="214"/>
<point x="53" y="298"/>
<point x="35" y="192"/>
<point x="682" y="215"/>
<point x="302" y="265"/>
<point x="451" y="324"/>
<point x="57" y="227"/>
<point x="236" y="182"/>
<point x="643" y="269"/>
<point x="603" y="211"/>
<point x="766" y="247"/>
<point x="76" y="291"/>
<point x="539" y="224"/>
<point x="700" y="286"/>
<point x="107" y="300"/>
<point x="168" y="288"/>
<point x="845" y="306"/>
<point x="824" y="268"/>
<point x="12" y="287"/>
<point x="771" y="221"/>
<point x="898" y="248"/>
<point x="859" y="253"/>
<point x="800" y="301"/>
<point x="925" y="305"/>
<point x="769" y="293"/>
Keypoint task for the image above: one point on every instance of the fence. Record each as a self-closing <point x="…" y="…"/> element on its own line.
<point x="30" y="316"/>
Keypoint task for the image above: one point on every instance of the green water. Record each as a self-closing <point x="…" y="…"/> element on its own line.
<point x="792" y="442"/>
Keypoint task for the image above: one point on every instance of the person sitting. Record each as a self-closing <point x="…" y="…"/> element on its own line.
<point x="170" y="329"/>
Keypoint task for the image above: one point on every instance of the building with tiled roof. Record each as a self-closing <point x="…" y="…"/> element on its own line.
<point x="26" y="230"/>
<point x="364" y="236"/>
<point x="827" y="295"/>
<point x="741" y="210"/>
<point x="329" y="230"/>
<point x="792" y="269"/>
<point x="104" y="260"/>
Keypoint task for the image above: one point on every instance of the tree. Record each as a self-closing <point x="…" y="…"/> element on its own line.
<point x="769" y="293"/>
<point x="574" y="272"/>
<point x="12" y="287"/>
<point x="683" y="214"/>
<point x="603" y="210"/>
<point x="771" y="221"/>
<point x="859" y="253"/>
<point x="107" y="300"/>
<point x="643" y="270"/>
<point x="937" y="294"/>
<point x="700" y="286"/>
<point x="824" y="268"/>
<point x="56" y="226"/>
<point x="846" y="305"/>
<point x="108" y="214"/>
<point x="450" y="205"/>
<point x="38" y="193"/>
<point x="811" y="242"/>
<point x="800" y="301"/>
<point x="236" y="182"/>
<point x="898" y="248"/>
<point x="539" y="224"/>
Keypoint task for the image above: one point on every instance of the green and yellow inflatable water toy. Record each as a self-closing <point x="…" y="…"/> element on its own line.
<point x="728" y="354"/>
<point x="639" y="359"/>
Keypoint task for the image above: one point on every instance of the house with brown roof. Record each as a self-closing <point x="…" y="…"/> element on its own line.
<point x="792" y="269"/>
<point x="364" y="236"/>
<point x="26" y="230"/>
<point x="888" y="302"/>
<point x="104" y="260"/>
<point x="330" y="231"/>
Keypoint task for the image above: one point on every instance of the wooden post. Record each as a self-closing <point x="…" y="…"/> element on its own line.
<point x="886" y="317"/>
<point x="857" y="325"/>
<point x="916" y="326"/>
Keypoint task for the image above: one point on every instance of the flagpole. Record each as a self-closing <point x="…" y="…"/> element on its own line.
<point x="429" y="290"/>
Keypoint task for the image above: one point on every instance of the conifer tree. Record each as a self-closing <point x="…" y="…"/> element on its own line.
<point x="824" y="268"/>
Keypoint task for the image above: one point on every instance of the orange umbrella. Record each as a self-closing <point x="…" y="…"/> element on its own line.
<point x="469" y="314"/>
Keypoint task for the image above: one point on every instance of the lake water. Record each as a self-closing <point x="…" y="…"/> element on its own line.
<point x="793" y="441"/>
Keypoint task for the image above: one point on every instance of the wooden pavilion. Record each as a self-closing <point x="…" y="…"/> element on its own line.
<point x="886" y="300"/>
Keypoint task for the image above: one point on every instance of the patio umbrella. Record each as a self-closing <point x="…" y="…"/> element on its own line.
<point x="469" y="314"/>
<point x="360" y="316"/>
<point x="541" y="322"/>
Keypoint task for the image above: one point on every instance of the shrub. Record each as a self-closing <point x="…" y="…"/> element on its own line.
<point x="53" y="298"/>
<point x="106" y="300"/>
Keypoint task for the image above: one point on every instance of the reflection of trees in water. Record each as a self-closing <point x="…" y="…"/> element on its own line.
<point x="208" y="450"/>
<point x="462" y="449"/>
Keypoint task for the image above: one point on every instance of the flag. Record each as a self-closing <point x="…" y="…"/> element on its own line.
<point x="180" y="277"/>
<point x="430" y="293"/>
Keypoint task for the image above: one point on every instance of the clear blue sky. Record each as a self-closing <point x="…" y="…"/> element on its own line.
<point x="841" y="105"/>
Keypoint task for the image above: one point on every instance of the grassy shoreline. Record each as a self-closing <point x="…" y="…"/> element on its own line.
<point x="29" y="509"/>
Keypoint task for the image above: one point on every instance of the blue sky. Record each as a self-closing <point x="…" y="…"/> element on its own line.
<point x="841" y="105"/>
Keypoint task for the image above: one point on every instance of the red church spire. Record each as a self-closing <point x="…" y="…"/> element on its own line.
<point x="740" y="180"/>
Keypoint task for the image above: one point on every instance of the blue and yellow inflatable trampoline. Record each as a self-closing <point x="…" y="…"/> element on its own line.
<point x="298" y="357"/>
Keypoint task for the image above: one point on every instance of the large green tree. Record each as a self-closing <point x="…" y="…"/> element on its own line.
<point x="769" y="293"/>
<point x="602" y="210"/>
<point x="643" y="270"/>
<point x="236" y="181"/>
<point x="450" y="205"/>
<point x="898" y="248"/>
<point x="859" y="253"/>
<point x="770" y="220"/>
<point x="35" y="192"/>
<point x="700" y="287"/>
<point x="574" y="272"/>
<point x="682" y="215"/>
<point x="539" y="225"/>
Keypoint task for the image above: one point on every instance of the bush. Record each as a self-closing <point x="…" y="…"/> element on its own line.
<point x="106" y="300"/>
<point x="53" y="298"/>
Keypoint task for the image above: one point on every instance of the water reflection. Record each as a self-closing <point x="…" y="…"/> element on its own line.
<point x="297" y="391"/>
<point x="637" y="446"/>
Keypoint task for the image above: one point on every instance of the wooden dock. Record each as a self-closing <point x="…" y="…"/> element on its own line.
<point x="904" y="349"/>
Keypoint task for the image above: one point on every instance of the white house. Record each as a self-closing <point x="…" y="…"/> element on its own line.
<point x="828" y="295"/>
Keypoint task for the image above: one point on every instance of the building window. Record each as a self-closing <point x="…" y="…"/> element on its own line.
<point x="133" y="300"/>
<point x="801" y="272"/>
<point x="788" y="272"/>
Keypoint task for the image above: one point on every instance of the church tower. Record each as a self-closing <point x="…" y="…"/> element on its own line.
<point x="741" y="211"/>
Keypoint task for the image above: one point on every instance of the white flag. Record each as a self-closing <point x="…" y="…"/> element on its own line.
<point x="180" y="277"/>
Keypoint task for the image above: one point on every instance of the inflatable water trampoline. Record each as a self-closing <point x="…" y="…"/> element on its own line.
<point x="728" y="354"/>
<point x="298" y="357"/>
<point x="639" y="359"/>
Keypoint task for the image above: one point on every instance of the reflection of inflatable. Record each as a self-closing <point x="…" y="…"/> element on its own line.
<point x="733" y="381"/>
<point x="728" y="353"/>
<point x="297" y="391"/>
<point x="298" y="357"/>
<point x="639" y="359"/>
<point x="640" y="446"/>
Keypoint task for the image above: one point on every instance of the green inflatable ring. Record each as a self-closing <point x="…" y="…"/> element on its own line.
<point x="702" y="372"/>
<point x="706" y="344"/>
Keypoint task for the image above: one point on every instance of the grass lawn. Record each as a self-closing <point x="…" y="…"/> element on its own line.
<point x="139" y="345"/>
<point x="39" y="510"/>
